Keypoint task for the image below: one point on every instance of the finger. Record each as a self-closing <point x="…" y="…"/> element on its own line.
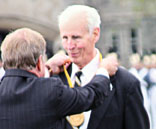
<point x="67" y="61"/>
<point x="67" y="65"/>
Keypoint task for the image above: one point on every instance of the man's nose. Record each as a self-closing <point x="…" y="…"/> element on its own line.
<point x="71" y="44"/>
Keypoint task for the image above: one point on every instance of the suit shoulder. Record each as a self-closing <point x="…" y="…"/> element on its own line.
<point x="126" y="75"/>
<point x="127" y="80"/>
<point x="48" y="82"/>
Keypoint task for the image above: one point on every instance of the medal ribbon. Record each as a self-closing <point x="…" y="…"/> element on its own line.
<point x="67" y="74"/>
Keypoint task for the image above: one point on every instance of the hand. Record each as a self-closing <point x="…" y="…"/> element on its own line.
<point x="57" y="61"/>
<point x="110" y="64"/>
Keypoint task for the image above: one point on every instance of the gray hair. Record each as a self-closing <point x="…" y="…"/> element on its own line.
<point x="93" y="16"/>
<point x="22" y="48"/>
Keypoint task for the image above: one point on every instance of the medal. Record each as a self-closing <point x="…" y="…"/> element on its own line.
<point x="77" y="119"/>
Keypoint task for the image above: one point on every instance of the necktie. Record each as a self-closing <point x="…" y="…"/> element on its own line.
<point x="77" y="79"/>
<point x="78" y="119"/>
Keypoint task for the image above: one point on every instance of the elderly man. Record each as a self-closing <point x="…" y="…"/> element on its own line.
<point x="123" y="109"/>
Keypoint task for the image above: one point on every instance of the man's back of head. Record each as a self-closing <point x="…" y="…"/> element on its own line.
<point x="22" y="48"/>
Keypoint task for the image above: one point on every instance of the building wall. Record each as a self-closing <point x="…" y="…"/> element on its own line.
<point x="121" y="26"/>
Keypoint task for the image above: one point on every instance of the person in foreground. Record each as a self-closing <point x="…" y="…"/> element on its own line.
<point x="28" y="100"/>
<point x="79" y="27"/>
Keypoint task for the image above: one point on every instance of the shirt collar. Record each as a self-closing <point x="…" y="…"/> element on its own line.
<point x="90" y="68"/>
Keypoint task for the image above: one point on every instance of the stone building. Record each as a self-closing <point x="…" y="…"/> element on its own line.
<point x="126" y="27"/>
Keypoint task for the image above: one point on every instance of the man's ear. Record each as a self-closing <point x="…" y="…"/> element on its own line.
<point x="38" y="69"/>
<point x="39" y="63"/>
<point x="96" y="34"/>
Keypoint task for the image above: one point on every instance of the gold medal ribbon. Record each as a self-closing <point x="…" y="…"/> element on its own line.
<point x="77" y="119"/>
<point x="68" y="77"/>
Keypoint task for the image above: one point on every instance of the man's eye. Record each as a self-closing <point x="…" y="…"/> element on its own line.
<point x="64" y="37"/>
<point x="75" y="37"/>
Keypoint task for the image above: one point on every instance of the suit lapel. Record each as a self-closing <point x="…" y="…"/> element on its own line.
<point x="99" y="112"/>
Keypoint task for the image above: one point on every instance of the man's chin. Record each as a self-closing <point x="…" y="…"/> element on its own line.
<point x="74" y="60"/>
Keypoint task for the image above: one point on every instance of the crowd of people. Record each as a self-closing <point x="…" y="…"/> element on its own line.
<point x="108" y="96"/>
<point x="145" y="70"/>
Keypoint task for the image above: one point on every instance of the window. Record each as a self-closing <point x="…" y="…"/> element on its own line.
<point x="115" y="43"/>
<point x="134" y="40"/>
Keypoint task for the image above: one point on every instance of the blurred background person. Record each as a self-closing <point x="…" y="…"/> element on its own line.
<point x="135" y="67"/>
<point x="152" y="88"/>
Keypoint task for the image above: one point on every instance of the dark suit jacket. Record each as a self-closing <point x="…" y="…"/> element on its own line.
<point x="29" y="102"/>
<point x="123" y="108"/>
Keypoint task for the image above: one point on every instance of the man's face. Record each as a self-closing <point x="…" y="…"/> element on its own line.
<point x="77" y="41"/>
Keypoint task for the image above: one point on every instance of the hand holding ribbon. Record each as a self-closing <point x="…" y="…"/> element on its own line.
<point x="57" y="62"/>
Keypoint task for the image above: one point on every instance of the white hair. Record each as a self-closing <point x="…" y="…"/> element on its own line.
<point x="93" y="17"/>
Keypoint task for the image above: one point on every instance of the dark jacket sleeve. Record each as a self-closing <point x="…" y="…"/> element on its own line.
<point x="76" y="100"/>
<point x="135" y="115"/>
